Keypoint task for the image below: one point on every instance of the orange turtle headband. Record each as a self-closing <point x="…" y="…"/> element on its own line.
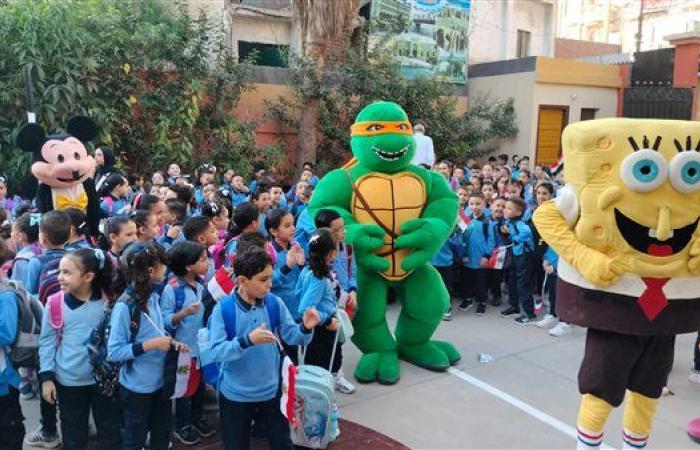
<point x="374" y="127"/>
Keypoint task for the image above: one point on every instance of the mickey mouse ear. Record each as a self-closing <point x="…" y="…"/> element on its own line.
<point x="31" y="137"/>
<point x="82" y="127"/>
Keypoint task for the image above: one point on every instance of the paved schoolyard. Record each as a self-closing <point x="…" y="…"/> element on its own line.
<point x="525" y="399"/>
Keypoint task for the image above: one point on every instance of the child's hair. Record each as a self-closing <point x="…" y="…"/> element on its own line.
<point x="145" y="201"/>
<point x="260" y="190"/>
<point x="78" y="220"/>
<point x="519" y="184"/>
<point x="251" y="262"/>
<point x="24" y="207"/>
<point x="134" y="178"/>
<point x="140" y="218"/>
<point x="487" y="183"/>
<point x="5" y="225"/>
<point x="243" y="216"/>
<point x="526" y="172"/>
<point x="325" y="217"/>
<point x="97" y="262"/>
<point x="55" y="225"/>
<point x="134" y="264"/>
<point x="246" y="241"/>
<point x="176" y="208"/>
<point x="28" y="223"/>
<point x="183" y="193"/>
<point x="547" y="185"/>
<point x="309" y="191"/>
<point x="477" y="194"/>
<point x="212" y="209"/>
<point x="195" y="226"/>
<point x="519" y="203"/>
<point x="321" y="244"/>
<point x="183" y="254"/>
<point x="112" y="181"/>
<point x="113" y="225"/>
<point x="274" y="218"/>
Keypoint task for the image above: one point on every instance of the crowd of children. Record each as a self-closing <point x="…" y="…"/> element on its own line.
<point x="144" y="283"/>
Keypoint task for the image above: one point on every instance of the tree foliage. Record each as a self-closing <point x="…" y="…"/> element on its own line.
<point x="160" y="84"/>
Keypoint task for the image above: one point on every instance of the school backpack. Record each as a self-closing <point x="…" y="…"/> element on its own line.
<point x="24" y="352"/>
<point x="179" y="290"/>
<point x="48" y="278"/>
<point x="9" y="265"/>
<point x="218" y="252"/>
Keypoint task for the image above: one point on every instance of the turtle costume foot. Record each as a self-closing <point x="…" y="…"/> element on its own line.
<point x="433" y="355"/>
<point x="382" y="367"/>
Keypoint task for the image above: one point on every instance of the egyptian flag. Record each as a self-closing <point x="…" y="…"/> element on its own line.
<point x="463" y="220"/>
<point x="187" y="376"/>
<point x="221" y="284"/>
<point x="288" y="398"/>
<point x="557" y="166"/>
<point x="498" y="257"/>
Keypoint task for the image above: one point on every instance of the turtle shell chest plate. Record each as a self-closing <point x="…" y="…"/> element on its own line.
<point x="389" y="201"/>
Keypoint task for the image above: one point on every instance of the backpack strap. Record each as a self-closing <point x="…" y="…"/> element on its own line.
<point x="179" y="290"/>
<point x="273" y="311"/>
<point x="228" y="312"/>
<point x="54" y="308"/>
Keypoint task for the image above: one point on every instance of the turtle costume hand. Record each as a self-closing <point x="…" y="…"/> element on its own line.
<point x="397" y="217"/>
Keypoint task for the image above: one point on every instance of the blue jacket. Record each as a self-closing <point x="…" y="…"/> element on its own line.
<point x="477" y="244"/>
<point x="145" y="373"/>
<point x="551" y="257"/>
<point x="186" y="330"/>
<point x="284" y="279"/>
<point x="499" y="239"/>
<point x="453" y="247"/>
<point x="20" y="266"/>
<point x="304" y="229"/>
<point x="8" y="334"/>
<point x="261" y="224"/>
<point x="250" y="373"/>
<point x="117" y="208"/>
<point x="521" y="237"/>
<point x="237" y="197"/>
<point x="314" y="292"/>
<point x="67" y="362"/>
<point x="81" y="243"/>
<point x="36" y="264"/>
<point x="345" y="268"/>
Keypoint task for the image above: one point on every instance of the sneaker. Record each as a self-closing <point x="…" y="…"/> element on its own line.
<point x="465" y="305"/>
<point x="38" y="438"/>
<point x="26" y="391"/>
<point x="496" y="301"/>
<point x="448" y="315"/>
<point x="509" y="311"/>
<point x="481" y="309"/>
<point x="203" y="428"/>
<point x="547" y="322"/>
<point x="342" y="385"/>
<point x="694" y="375"/>
<point x="562" y="329"/>
<point x="187" y="436"/>
<point x="524" y="319"/>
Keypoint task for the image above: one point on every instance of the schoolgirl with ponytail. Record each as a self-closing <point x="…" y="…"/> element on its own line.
<point x="78" y="230"/>
<point x="115" y="196"/>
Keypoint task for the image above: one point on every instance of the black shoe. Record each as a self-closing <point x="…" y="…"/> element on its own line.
<point x="509" y="311"/>
<point x="465" y="304"/>
<point x="481" y="308"/>
<point x="496" y="301"/>
<point x="448" y="315"/>
<point x="203" y="428"/>
<point x="187" y="436"/>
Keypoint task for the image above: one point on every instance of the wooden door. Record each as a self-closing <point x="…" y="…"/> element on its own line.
<point x="550" y="124"/>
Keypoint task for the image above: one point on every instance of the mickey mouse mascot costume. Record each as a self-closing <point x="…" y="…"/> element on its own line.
<point x="64" y="168"/>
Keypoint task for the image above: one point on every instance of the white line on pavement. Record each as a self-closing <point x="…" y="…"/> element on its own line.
<point x="521" y="405"/>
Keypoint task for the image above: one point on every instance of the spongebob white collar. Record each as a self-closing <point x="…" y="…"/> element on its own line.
<point x="632" y="286"/>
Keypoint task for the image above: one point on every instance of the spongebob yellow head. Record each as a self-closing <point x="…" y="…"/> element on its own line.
<point x="637" y="182"/>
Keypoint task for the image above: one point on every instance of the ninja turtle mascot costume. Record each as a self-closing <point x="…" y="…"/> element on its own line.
<point x="397" y="217"/>
<point x="625" y="228"/>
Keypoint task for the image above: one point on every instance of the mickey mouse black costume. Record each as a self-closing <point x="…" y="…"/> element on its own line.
<point x="64" y="168"/>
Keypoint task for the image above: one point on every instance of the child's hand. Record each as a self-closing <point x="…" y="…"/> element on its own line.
<point x="174" y="232"/>
<point x="161" y="343"/>
<point x="48" y="391"/>
<point x="291" y="258"/>
<point x="311" y="318"/>
<point x="181" y="347"/>
<point x="549" y="269"/>
<point x="352" y="300"/>
<point x="301" y="259"/>
<point x="334" y="325"/>
<point x="483" y="262"/>
<point x="261" y="335"/>
<point x="192" y="309"/>
<point x="504" y="229"/>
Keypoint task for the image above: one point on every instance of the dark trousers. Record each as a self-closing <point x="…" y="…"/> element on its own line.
<point x="75" y="403"/>
<point x="551" y="287"/>
<point x="477" y="280"/>
<point x="520" y="284"/>
<point x="494" y="279"/>
<point x="236" y="418"/>
<point x="11" y="421"/>
<point x="143" y="413"/>
<point x="318" y="353"/>
<point x="48" y="416"/>
<point x="696" y="352"/>
<point x="190" y="410"/>
<point x="447" y="273"/>
<point x="614" y="362"/>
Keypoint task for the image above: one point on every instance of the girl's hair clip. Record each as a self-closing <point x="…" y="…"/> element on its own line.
<point x="100" y="255"/>
<point x="34" y="219"/>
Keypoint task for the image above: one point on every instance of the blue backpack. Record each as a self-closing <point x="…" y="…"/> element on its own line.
<point x="179" y="290"/>
<point x="48" y="277"/>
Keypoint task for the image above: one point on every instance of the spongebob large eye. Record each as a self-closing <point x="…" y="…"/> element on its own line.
<point x="684" y="172"/>
<point x="644" y="170"/>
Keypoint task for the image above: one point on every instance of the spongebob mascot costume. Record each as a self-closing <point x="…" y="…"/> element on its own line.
<point x="625" y="228"/>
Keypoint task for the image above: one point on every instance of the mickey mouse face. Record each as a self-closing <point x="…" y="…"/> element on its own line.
<point x="60" y="161"/>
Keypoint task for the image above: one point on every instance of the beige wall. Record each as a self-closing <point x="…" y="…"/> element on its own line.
<point x="264" y="30"/>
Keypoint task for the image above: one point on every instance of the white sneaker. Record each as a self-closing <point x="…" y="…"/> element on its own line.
<point x="547" y="322"/>
<point x="38" y="438"/>
<point x="562" y="329"/>
<point x="342" y="385"/>
<point x="694" y="376"/>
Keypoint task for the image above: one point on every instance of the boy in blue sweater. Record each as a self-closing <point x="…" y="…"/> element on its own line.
<point x="11" y="419"/>
<point x="478" y="244"/>
<point x="246" y="344"/>
<point x="495" y="276"/>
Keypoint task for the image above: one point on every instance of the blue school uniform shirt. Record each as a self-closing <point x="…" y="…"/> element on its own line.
<point x="284" y="279"/>
<point x="80" y="243"/>
<point x="314" y="292"/>
<point x="446" y="255"/>
<point x="261" y="224"/>
<point x="304" y="229"/>
<point x="67" y="362"/>
<point x="521" y="237"/>
<point x="199" y="195"/>
<point x="478" y="244"/>
<point x="166" y="241"/>
<point x="499" y="239"/>
<point x="20" y="266"/>
<point x="116" y="208"/>
<point x="237" y="197"/>
<point x="8" y="333"/>
<point x="145" y="373"/>
<point x="186" y="330"/>
<point x="36" y="264"/>
<point x="345" y="268"/>
<point x="250" y="373"/>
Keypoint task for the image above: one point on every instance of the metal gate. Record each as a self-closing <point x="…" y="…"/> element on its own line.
<point x="658" y="102"/>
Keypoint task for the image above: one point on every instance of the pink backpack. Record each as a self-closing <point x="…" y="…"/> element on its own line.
<point x="54" y="308"/>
